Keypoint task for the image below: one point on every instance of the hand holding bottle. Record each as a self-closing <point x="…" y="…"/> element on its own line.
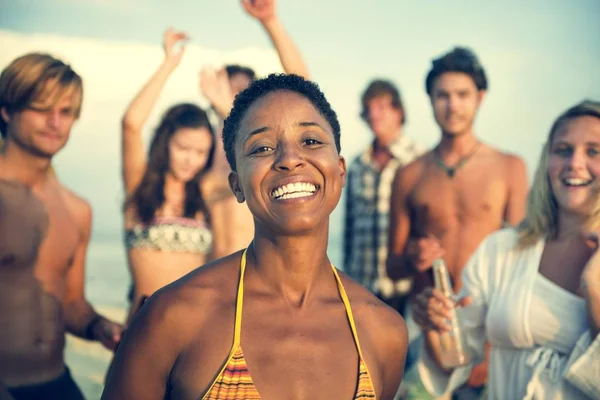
<point x="434" y="309"/>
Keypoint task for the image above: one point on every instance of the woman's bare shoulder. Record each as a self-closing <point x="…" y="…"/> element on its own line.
<point x="370" y="312"/>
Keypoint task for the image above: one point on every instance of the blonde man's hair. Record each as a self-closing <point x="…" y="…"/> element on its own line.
<point x="37" y="81"/>
<point x="541" y="219"/>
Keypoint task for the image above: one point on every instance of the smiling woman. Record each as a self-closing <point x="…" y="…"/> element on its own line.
<point x="302" y="319"/>
<point x="534" y="292"/>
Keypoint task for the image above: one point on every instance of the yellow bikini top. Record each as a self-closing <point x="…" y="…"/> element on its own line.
<point x="234" y="381"/>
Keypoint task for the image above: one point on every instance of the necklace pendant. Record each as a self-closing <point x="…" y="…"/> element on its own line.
<point x="450" y="173"/>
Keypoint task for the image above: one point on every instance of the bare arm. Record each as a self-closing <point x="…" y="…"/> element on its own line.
<point x="80" y="318"/>
<point x="215" y="86"/>
<point x="398" y="264"/>
<point x="289" y="54"/>
<point x="143" y="362"/>
<point x="218" y="217"/>
<point x="407" y="254"/>
<point x="394" y="356"/>
<point x="590" y="282"/>
<point x="134" y="157"/>
<point x="592" y="296"/>
<point x="517" y="191"/>
<point x="78" y="312"/>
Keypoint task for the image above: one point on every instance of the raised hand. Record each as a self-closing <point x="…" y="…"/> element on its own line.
<point x="262" y="10"/>
<point x="108" y="333"/>
<point x="170" y="40"/>
<point x="214" y="85"/>
<point x="423" y="251"/>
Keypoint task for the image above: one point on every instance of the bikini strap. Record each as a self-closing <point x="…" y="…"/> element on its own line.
<point x="239" y="305"/>
<point x="349" y="314"/>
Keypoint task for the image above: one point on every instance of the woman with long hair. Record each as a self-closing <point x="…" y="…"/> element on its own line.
<point x="534" y="292"/>
<point x="168" y="228"/>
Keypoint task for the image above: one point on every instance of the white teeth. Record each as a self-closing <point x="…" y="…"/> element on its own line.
<point x="298" y="189"/>
<point x="294" y="195"/>
<point x="576" y="181"/>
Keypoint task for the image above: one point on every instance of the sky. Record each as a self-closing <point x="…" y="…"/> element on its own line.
<point x="541" y="56"/>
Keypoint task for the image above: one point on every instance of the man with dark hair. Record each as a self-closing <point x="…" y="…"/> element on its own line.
<point x="368" y="192"/>
<point x="44" y="233"/>
<point x="448" y="200"/>
<point x="220" y="88"/>
<point x="239" y="77"/>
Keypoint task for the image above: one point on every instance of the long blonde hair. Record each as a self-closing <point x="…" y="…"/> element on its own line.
<point x="541" y="219"/>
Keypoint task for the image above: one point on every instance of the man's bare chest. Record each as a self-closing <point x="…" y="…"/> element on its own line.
<point x="23" y="225"/>
<point x="461" y="197"/>
<point x="61" y="241"/>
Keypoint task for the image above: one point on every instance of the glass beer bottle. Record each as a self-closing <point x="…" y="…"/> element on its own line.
<point x="452" y="343"/>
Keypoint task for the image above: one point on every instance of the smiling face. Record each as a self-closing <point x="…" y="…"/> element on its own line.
<point x="288" y="168"/>
<point x="574" y="164"/>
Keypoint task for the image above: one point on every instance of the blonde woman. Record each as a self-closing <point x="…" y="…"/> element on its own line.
<point x="534" y="292"/>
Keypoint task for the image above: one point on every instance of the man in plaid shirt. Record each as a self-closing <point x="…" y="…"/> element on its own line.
<point x="369" y="184"/>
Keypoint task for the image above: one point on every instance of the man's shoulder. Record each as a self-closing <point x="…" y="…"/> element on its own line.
<point x="515" y="165"/>
<point x="419" y="161"/>
<point x="79" y="207"/>
<point x="511" y="166"/>
<point x="408" y="174"/>
<point x="508" y="159"/>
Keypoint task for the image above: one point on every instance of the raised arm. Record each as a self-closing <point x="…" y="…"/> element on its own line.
<point x="289" y="54"/>
<point x="80" y="318"/>
<point x="518" y="187"/>
<point x="134" y="156"/>
<point x="214" y="192"/>
<point x="214" y="85"/>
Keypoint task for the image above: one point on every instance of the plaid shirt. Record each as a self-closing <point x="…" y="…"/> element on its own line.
<point x="367" y="217"/>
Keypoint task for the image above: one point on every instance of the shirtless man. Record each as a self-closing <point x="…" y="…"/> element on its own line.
<point x="44" y="233"/>
<point x="448" y="200"/>
<point x="220" y="88"/>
